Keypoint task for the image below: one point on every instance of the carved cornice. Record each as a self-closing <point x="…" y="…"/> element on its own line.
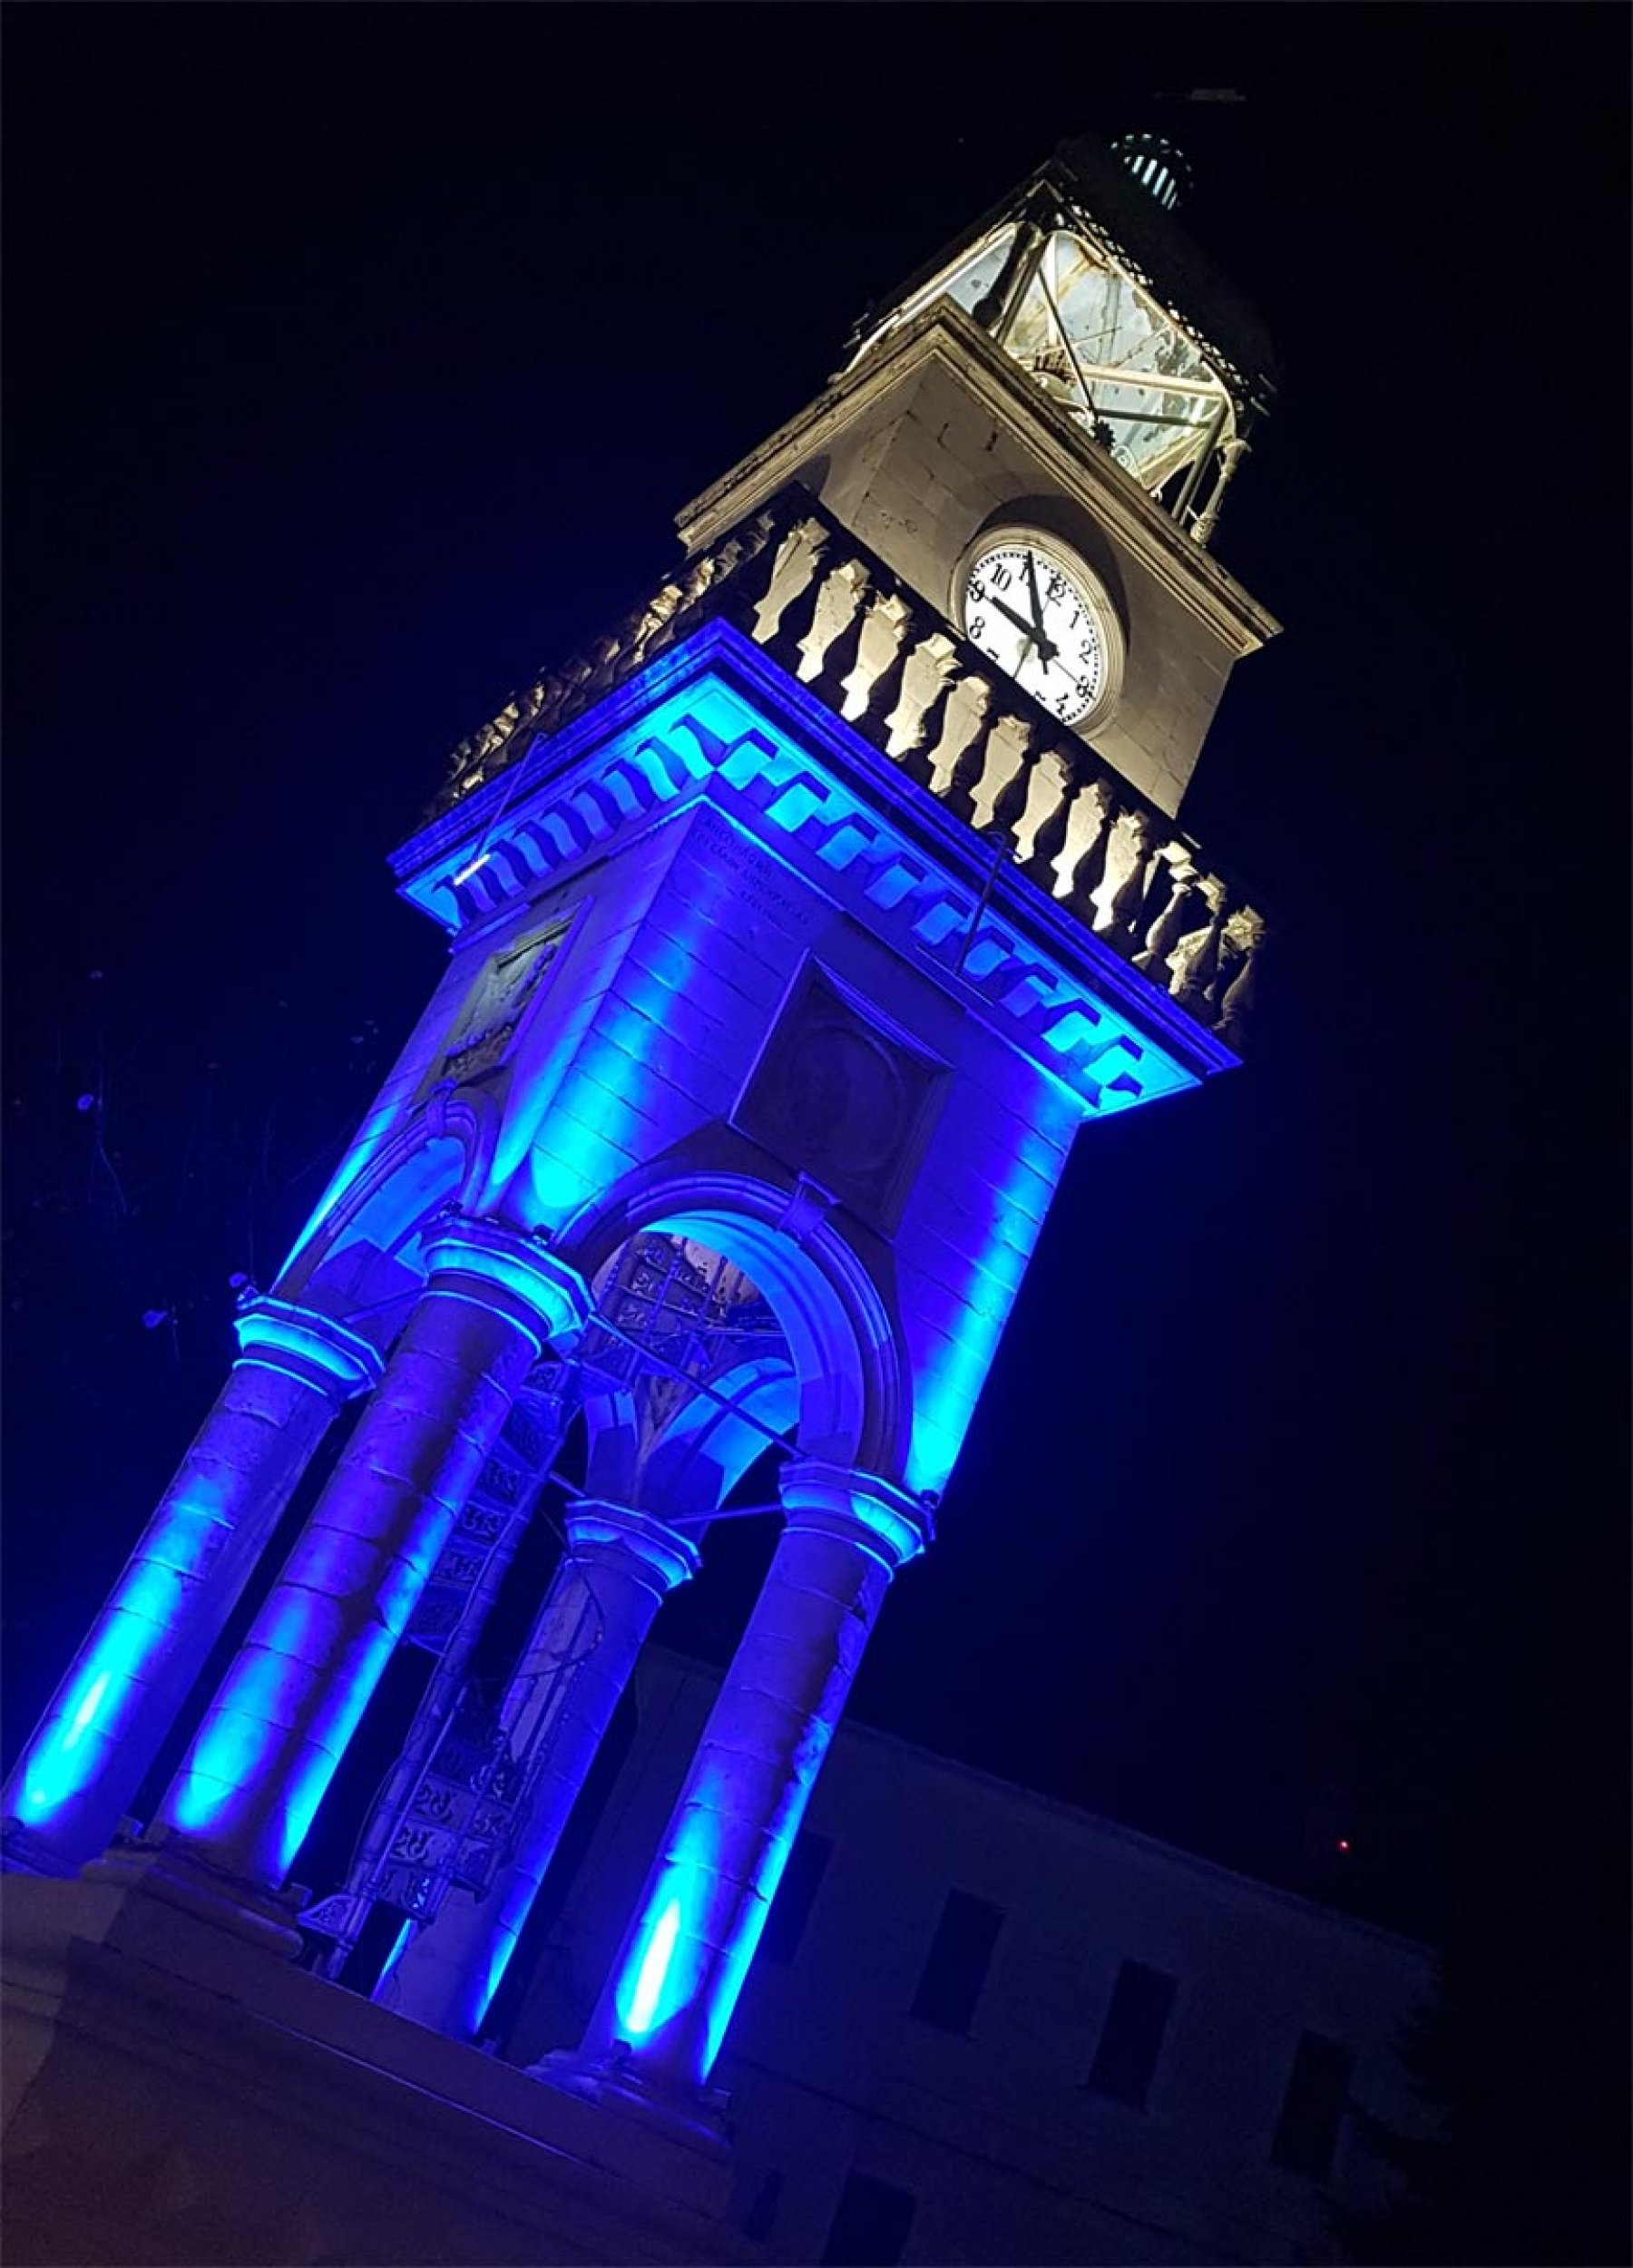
<point x="718" y="721"/>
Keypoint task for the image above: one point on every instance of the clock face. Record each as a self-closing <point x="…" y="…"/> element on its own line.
<point x="1031" y="617"/>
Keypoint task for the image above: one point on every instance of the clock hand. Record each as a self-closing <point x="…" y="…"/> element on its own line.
<point x="1046" y="653"/>
<point x="1031" y="628"/>
<point x="1037" y="603"/>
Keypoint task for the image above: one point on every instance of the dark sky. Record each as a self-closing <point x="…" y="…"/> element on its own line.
<point x="357" y="359"/>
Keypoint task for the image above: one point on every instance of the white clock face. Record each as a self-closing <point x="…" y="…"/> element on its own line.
<point x="1034" y="619"/>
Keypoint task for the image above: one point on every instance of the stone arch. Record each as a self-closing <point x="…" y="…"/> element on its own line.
<point x="359" y="1257"/>
<point x="704" y="1451"/>
<point x="854" y="1403"/>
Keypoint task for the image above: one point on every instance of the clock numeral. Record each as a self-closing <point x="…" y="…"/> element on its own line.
<point x="1001" y="578"/>
<point x="978" y="626"/>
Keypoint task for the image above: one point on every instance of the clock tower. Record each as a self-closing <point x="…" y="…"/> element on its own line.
<point x="796" y="930"/>
<point x="1067" y="385"/>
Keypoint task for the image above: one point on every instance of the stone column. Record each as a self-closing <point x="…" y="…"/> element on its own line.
<point x="661" y="2018"/>
<point x="112" y="1711"/>
<point x="241" y="1802"/>
<point x="444" y="1687"/>
<point x="619" y="1567"/>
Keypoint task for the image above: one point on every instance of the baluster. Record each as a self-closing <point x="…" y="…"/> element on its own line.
<point x="570" y="680"/>
<point x="753" y="577"/>
<point x="466" y="775"/>
<point x="1008" y="739"/>
<point x="956" y="757"/>
<point x="780" y="620"/>
<point x="694" y="589"/>
<point x="757" y="566"/>
<point x="648" y="637"/>
<point x="1050" y="838"/>
<point x="552" y="695"/>
<point x="926" y="676"/>
<point x="1194" y="962"/>
<point x="1122" y="884"/>
<point x="877" y="651"/>
<point x="605" y="656"/>
<point x="1246" y="931"/>
<point x="1048" y="786"/>
<point x="729" y="556"/>
<point x="463" y="766"/>
<point x="484" y="760"/>
<point x="1082" y="857"/>
<point x="1015" y="793"/>
<point x="888" y="686"/>
<point x="755" y="540"/>
<point x="719" y="567"/>
<point x="838" y="598"/>
<point x="1171" y="923"/>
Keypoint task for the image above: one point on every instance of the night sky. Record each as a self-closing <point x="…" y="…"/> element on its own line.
<point x="357" y="360"/>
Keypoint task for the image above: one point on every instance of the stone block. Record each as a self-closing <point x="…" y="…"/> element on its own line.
<point x="176" y="2095"/>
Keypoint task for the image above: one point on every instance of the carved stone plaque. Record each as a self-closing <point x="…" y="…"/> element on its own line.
<point x="840" y="1097"/>
<point x="488" y="1022"/>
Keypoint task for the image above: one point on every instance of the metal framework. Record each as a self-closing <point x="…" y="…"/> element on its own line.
<point x="1064" y="276"/>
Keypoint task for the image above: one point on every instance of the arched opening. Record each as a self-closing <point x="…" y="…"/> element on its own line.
<point x="686" y="1375"/>
<point x="717" y="1344"/>
<point x="848" y="1374"/>
<point x="360" y="1261"/>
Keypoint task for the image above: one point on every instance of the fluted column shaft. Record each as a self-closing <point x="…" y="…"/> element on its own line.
<point x="683" y="1959"/>
<point x="114" y="1708"/>
<point x="264" y="1755"/>
<point x="619" y="1567"/>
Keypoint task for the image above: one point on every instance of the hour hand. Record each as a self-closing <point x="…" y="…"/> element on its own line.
<point x="991" y="597"/>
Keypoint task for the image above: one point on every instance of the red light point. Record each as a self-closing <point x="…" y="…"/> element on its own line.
<point x="1344" y="1842"/>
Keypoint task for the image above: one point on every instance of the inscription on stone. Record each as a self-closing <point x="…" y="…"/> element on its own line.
<point x="757" y="882"/>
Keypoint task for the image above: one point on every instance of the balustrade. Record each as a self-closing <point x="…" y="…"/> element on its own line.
<point x="841" y="623"/>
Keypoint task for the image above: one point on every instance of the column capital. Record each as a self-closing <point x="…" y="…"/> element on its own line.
<point x="309" y="1345"/>
<point x="595" y="1526"/>
<point x="510" y="1270"/>
<point x="857" y="1508"/>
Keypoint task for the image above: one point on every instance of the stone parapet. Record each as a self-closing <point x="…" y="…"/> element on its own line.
<point x="800" y="584"/>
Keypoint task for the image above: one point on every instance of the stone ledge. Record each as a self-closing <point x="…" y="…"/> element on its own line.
<point x="172" y="2094"/>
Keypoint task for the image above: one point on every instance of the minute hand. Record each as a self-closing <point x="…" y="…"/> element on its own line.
<point x="1046" y="649"/>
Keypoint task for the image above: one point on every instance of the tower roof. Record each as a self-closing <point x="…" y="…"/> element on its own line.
<point x="1086" y="189"/>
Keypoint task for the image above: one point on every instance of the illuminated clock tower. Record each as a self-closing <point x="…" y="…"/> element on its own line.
<point x="798" y="929"/>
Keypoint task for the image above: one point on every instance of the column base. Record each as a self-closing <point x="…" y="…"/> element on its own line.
<point x="24" y="1851"/>
<point x="166" y="1870"/>
<point x="695" y="2116"/>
